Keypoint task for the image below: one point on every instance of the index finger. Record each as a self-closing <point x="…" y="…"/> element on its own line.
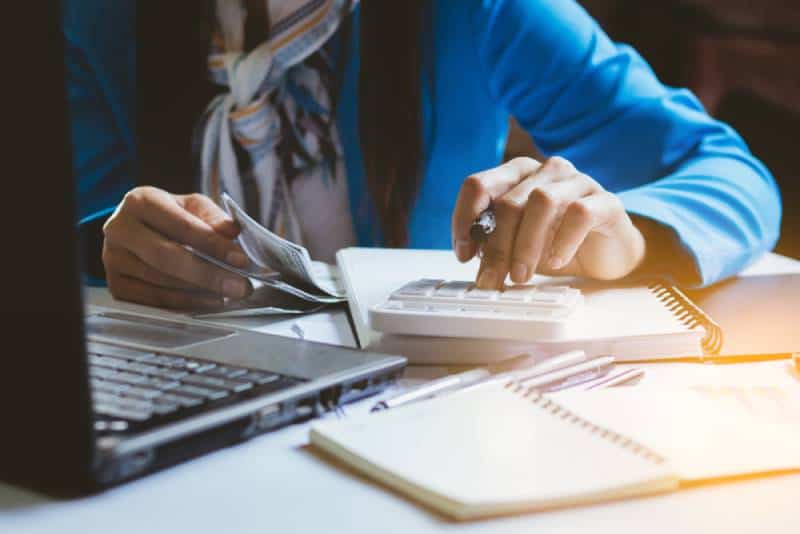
<point x="476" y="195"/>
<point x="162" y="212"/>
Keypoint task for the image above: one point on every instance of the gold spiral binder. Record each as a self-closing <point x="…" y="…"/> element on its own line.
<point x="563" y="413"/>
<point x="689" y="314"/>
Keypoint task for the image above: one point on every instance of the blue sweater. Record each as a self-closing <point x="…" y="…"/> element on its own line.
<point x="547" y="63"/>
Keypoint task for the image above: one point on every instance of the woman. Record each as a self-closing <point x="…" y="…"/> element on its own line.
<point x="385" y="122"/>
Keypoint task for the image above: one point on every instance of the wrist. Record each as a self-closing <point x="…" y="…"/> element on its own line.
<point x="663" y="255"/>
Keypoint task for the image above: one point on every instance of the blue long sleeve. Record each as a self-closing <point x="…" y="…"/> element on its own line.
<point x="599" y="105"/>
<point x="101" y="91"/>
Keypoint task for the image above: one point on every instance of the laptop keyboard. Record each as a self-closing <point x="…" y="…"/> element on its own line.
<point x="133" y="389"/>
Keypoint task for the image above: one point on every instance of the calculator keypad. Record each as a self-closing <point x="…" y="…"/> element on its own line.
<point x="457" y="308"/>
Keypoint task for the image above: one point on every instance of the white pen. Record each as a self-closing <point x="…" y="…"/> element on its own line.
<point x="433" y="388"/>
<point x="628" y="375"/>
<point x="556" y="376"/>
<point x="561" y="361"/>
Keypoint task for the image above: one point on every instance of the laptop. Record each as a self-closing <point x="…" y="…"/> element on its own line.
<point x="91" y="397"/>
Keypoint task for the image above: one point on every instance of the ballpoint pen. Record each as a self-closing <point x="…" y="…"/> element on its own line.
<point x="480" y="377"/>
<point x="433" y="388"/>
<point x="554" y="363"/>
<point x="623" y="377"/>
<point x="554" y="377"/>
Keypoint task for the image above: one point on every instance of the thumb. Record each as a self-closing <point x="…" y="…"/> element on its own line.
<point x="207" y="210"/>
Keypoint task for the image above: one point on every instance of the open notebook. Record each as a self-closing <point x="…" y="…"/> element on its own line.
<point x="499" y="450"/>
<point x="628" y="321"/>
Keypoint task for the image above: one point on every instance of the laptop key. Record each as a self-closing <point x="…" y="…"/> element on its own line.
<point x="122" y="412"/>
<point x="259" y="377"/>
<point x="169" y="361"/>
<point x="143" y="368"/>
<point x="164" y="408"/>
<point x="127" y="378"/>
<point x="223" y="371"/>
<point x="102" y="397"/>
<point x="204" y="381"/>
<point x="197" y="391"/>
<point x="101" y="372"/>
<point x="181" y="400"/>
<point x="200" y="367"/>
<point x="168" y="373"/>
<point x="105" y="386"/>
<point x="159" y="383"/>
<point x="142" y="393"/>
<point x="112" y="350"/>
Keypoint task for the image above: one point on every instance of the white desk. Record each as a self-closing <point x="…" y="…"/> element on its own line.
<point x="275" y="484"/>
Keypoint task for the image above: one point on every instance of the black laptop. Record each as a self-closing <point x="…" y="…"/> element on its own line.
<point x="90" y="397"/>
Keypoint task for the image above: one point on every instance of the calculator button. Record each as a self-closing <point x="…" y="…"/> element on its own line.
<point x="556" y="289"/>
<point x="420" y="288"/>
<point x="452" y="289"/>
<point x="546" y="297"/>
<point x="481" y="294"/>
<point x="518" y="293"/>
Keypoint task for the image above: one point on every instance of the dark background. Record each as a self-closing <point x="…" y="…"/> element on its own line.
<point x="741" y="57"/>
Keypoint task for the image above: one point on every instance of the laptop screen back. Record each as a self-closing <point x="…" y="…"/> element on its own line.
<point x="44" y="407"/>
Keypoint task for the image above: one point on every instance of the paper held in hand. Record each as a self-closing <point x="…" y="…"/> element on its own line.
<point x="279" y="263"/>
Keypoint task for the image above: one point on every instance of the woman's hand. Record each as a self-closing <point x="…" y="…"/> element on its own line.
<point x="551" y="219"/>
<point x="144" y="259"/>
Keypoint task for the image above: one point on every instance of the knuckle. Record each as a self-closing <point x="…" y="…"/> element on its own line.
<point x="542" y="199"/>
<point x="523" y="161"/>
<point x="474" y="185"/>
<point x="109" y="227"/>
<point x="579" y="211"/>
<point x="583" y="177"/>
<point x="560" y="165"/>
<point x="135" y="197"/>
<point x="614" y="201"/>
<point x="507" y="207"/>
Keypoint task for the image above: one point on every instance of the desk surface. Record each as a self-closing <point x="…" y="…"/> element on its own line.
<point x="274" y="483"/>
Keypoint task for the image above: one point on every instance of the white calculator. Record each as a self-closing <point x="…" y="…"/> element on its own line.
<point x="431" y="307"/>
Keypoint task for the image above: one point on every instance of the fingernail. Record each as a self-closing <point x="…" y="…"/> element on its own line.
<point x="234" y="288"/>
<point x="236" y="258"/>
<point x="555" y="262"/>
<point x="487" y="280"/>
<point x="463" y="249"/>
<point x="519" y="272"/>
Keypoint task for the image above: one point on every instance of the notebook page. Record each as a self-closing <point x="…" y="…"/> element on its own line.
<point x="707" y="431"/>
<point x="486" y="452"/>
<point x="631" y="311"/>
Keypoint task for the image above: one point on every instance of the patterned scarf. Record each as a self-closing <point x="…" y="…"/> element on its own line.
<point x="276" y="121"/>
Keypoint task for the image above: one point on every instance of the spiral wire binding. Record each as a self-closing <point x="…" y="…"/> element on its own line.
<point x="625" y="442"/>
<point x="690" y="315"/>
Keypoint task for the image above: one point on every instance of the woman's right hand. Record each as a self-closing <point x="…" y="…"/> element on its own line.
<point x="145" y="261"/>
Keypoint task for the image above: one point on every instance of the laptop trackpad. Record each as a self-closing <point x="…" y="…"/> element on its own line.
<point x="156" y="333"/>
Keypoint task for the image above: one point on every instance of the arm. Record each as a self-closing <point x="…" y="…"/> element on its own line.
<point x="688" y="181"/>
<point x="100" y="84"/>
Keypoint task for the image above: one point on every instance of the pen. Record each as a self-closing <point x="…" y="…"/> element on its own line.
<point x="554" y="363"/>
<point x="547" y="379"/>
<point x="628" y="375"/>
<point x="432" y="388"/>
<point x="483" y="226"/>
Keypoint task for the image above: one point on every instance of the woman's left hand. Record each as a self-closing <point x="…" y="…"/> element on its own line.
<point x="551" y="219"/>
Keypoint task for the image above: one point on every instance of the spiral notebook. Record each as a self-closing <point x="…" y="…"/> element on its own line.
<point x="652" y="320"/>
<point x="501" y="450"/>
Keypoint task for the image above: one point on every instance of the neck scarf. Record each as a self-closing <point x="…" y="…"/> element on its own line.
<point x="276" y="121"/>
